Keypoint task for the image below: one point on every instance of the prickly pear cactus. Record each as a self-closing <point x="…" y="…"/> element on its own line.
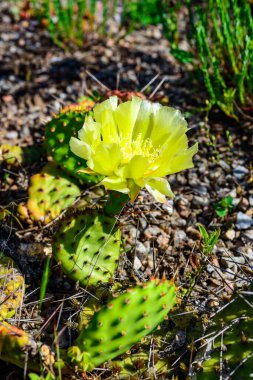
<point x="50" y="192"/>
<point x="88" y="246"/>
<point x="11" y="288"/>
<point x="228" y="354"/>
<point x="123" y="322"/>
<point x="14" y="343"/>
<point x="15" y="156"/>
<point x="11" y="155"/>
<point x="57" y="136"/>
<point x="136" y="365"/>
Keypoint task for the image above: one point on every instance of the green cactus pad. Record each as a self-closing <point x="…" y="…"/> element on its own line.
<point x="57" y="136"/>
<point x="50" y="192"/>
<point x="11" y="288"/>
<point x="236" y="323"/>
<point x="88" y="247"/>
<point x="123" y="322"/>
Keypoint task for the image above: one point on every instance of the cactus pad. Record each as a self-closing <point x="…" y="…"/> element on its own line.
<point x="233" y="326"/>
<point x="123" y="322"/>
<point x="88" y="247"/>
<point x="13" y="345"/>
<point x="57" y="136"/>
<point x="12" y="155"/>
<point x="11" y="288"/>
<point x="50" y="192"/>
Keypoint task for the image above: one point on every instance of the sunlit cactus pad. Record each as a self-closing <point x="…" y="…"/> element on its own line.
<point x="11" y="288"/>
<point x="123" y="322"/>
<point x="50" y="192"/>
<point x="57" y="136"/>
<point x="88" y="246"/>
<point x="12" y="155"/>
<point x="14" y="343"/>
<point x="230" y="353"/>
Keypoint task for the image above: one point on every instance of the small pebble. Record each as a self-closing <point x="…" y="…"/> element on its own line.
<point x="243" y="221"/>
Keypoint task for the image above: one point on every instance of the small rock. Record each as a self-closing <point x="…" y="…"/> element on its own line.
<point x="193" y="233"/>
<point x="243" y="221"/>
<point x="248" y="236"/>
<point x="163" y="241"/>
<point x="140" y="250"/>
<point x="230" y="234"/>
<point x="179" y="236"/>
<point x="199" y="202"/>
<point x="230" y="274"/>
<point x="224" y="166"/>
<point x="243" y="204"/>
<point x="210" y="268"/>
<point x="11" y="135"/>
<point x="137" y="263"/>
<point x="240" y="172"/>
<point x="239" y="260"/>
<point x="152" y="232"/>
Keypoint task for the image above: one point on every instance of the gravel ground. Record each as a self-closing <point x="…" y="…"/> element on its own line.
<point x="37" y="78"/>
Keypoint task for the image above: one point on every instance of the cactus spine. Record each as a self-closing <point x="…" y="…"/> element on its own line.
<point x="11" y="288"/>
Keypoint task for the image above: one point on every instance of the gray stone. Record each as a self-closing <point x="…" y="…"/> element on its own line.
<point x="240" y="172"/>
<point x="230" y="234"/>
<point x="243" y="221"/>
<point x="137" y="263"/>
<point x="11" y="135"/>
<point x="179" y="236"/>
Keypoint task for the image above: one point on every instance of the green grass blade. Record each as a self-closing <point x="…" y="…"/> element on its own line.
<point x="44" y="280"/>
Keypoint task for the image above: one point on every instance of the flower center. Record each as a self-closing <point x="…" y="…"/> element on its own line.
<point x="138" y="147"/>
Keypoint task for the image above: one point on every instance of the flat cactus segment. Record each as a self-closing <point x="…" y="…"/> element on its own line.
<point x="50" y="192"/>
<point x="235" y="324"/>
<point x="13" y="345"/>
<point x="88" y="247"/>
<point x="57" y="136"/>
<point x="12" y="155"/>
<point x="11" y="288"/>
<point x="123" y="322"/>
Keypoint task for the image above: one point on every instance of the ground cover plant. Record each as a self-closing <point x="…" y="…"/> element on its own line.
<point x="125" y="208"/>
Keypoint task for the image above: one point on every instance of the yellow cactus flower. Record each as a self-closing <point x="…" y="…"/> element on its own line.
<point x="135" y="144"/>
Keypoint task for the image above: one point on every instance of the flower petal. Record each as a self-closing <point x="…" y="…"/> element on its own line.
<point x="104" y="114"/>
<point x="106" y="159"/>
<point x="145" y="119"/>
<point x="115" y="183"/>
<point x="167" y="123"/>
<point x="126" y="115"/>
<point x="159" y="188"/>
<point x="181" y="160"/>
<point x="80" y="148"/>
<point x="133" y="189"/>
<point x="90" y="132"/>
<point x="137" y="166"/>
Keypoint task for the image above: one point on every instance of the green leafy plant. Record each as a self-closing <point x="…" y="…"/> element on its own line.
<point x="206" y="248"/>
<point x="224" y="206"/>
<point x="223" y="37"/>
